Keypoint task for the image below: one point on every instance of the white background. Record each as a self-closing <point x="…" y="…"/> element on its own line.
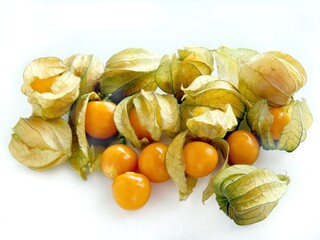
<point x="57" y="204"/>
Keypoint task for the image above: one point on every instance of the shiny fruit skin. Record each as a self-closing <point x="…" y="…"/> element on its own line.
<point x="99" y="121"/>
<point x="118" y="159"/>
<point x="131" y="190"/>
<point x="140" y="130"/>
<point x="244" y="147"/>
<point x="152" y="162"/>
<point x="280" y="120"/>
<point x="200" y="158"/>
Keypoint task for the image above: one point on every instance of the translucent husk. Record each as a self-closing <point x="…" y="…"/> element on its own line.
<point x="248" y="194"/>
<point x="227" y="61"/>
<point x="259" y="120"/>
<point x="212" y="98"/>
<point x="176" y="167"/>
<point x="129" y="71"/>
<point x="41" y="144"/>
<point x="274" y="76"/>
<point x="157" y="112"/>
<point x="211" y="123"/>
<point x="63" y="92"/>
<point x="180" y="70"/>
<point x="85" y="157"/>
<point x="89" y="68"/>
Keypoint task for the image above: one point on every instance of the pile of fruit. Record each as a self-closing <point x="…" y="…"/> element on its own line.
<point x="113" y="117"/>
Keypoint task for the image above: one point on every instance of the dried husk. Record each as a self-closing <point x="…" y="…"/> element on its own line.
<point x="175" y="163"/>
<point x="85" y="157"/>
<point x="274" y="76"/>
<point x="227" y="61"/>
<point x="209" y="93"/>
<point x="129" y="71"/>
<point x="157" y="112"/>
<point x="88" y="67"/>
<point x="41" y="144"/>
<point x="179" y="70"/>
<point x="64" y="90"/>
<point x="259" y="120"/>
<point x="223" y="151"/>
<point x="248" y="194"/>
<point x="211" y="123"/>
<point x="176" y="167"/>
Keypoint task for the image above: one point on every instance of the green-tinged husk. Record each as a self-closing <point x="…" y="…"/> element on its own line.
<point x="274" y="76"/>
<point x="179" y="70"/>
<point x="211" y="123"/>
<point x="191" y="183"/>
<point x="223" y="150"/>
<point x="176" y="166"/>
<point x="175" y="163"/>
<point x="157" y="113"/>
<point x="85" y="157"/>
<point x="88" y="67"/>
<point x="259" y="119"/>
<point x="41" y="144"/>
<point x="129" y="71"/>
<point x="248" y="194"/>
<point x="227" y="61"/>
<point x="212" y="98"/>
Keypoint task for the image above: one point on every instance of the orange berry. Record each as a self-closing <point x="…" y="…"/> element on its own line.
<point x="200" y="158"/>
<point x="99" y="121"/>
<point x="118" y="159"/>
<point x="43" y="85"/>
<point x="152" y="162"/>
<point x="140" y="130"/>
<point x="280" y="120"/>
<point x="244" y="147"/>
<point x="131" y="190"/>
